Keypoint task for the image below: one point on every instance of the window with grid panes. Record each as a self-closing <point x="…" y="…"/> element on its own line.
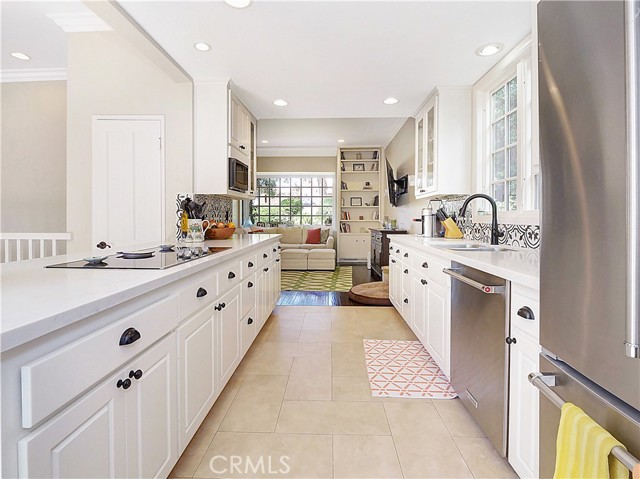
<point x="504" y="145"/>
<point x="294" y="200"/>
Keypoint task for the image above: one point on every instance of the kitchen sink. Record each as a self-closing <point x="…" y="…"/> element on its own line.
<point x="481" y="247"/>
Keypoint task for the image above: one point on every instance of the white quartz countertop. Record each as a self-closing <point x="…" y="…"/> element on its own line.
<point x="521" y="266"/>
<point x="38" y="300"/>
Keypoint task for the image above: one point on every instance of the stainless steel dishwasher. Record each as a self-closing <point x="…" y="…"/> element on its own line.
<point x="479" y="352"/>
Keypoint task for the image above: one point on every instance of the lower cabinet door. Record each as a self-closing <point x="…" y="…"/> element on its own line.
<point x="438" y="325"/>
<point x="152" y="407"/>
<point x="395" y="283"/>
<point x="196" y="372"/>
<point x="228" y="329"/>
<point x="86" y="440"/>
<point x="420" y="296"/>
<point x="248" y="331"/>
<point x="523" y="405"/>
<point x="248" y="294"/>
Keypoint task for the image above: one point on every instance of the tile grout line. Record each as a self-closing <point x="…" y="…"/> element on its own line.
<point x="454" y="441"/>
<point x="393" y="440"/>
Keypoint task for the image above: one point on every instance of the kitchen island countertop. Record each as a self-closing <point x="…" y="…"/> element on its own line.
<point x="38" y="300"/>
<point x="521" y="266"/>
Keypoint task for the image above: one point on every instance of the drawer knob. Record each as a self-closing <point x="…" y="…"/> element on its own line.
<point x="425" y="265"/>
<point x="278" y="260"/>
<point x="126" y="384"/>
<point x="249" y="284"/>
<point x="511" y="340"/>
<point x="274" y="250"/>
<point x="250" y="264"/>
<point x="135" y="374"/>
<point x="231" y="275"/>
<point x="423" y="281"/>
<point x="406" y="255"/>
<point x="406" y="300"/>
<point x="265" y="255"/>
<point x="250" y="321"/>
<point x="201" y="293"/>
<point x="279" y="247"/>
<point x="393" y="260"/>
<point x="130" y="335"/>
<point x="526" y="313"/>
<point x="397" y="251"/>
<point x="223" y="305"/>
<point x="265" y="270"/>
<point x="406" y="271"/>
<point x="217" y="308"/>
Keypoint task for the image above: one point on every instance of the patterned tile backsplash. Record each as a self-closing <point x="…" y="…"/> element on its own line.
<point x="216" y="207"/>
<point x="523" y="236"/>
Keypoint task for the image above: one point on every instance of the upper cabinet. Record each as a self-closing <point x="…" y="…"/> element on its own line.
<point x="443" y="143"/>
<point x="223" y="128"/>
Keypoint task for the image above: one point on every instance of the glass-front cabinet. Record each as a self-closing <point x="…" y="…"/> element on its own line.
<point x="426" y="150"/>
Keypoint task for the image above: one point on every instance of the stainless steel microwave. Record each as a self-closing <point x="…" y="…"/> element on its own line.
<point x="238" y="175"/>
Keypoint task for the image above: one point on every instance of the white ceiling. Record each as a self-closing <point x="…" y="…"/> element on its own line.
<point x="334" y="59"/>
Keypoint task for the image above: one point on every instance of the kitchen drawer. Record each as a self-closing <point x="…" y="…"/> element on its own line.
<point x="264" y="256"/>
<point x="431" y="266"/>
<point x="51" y="381"/>
<point x="229" y="274"/>
<point x="199" y="293"/>
<point x="248" y="294"/>
<point x="249" y="265"/>
<point x="527" y="302"/>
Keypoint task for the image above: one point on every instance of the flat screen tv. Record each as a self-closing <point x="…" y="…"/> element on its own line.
<point x="397" y="187"/>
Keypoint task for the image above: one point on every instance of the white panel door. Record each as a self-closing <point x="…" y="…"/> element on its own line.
<point x="229" y="341"/>
<point x="438" y="326"/>
<point x="128" y="180"/>
<point x="420" y="296"/>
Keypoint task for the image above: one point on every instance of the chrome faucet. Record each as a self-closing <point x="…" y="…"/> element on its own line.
<point x="495" y="232"/>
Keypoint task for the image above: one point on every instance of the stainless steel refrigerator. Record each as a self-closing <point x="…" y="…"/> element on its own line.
<point x="589" y="273"/>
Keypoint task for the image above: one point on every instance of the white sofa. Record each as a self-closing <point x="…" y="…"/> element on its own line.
<point x="298" y="255"/>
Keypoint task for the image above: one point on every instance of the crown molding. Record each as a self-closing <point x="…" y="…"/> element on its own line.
<point x="34" y="74"/>
<point x="296" y="151"/>
<point x="79" y="22"/>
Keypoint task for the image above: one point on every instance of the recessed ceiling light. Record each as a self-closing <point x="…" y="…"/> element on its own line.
<point x="265" y="141"/>
<point x="488" y="50"/>
<point x="20" y="56"/>
<point x="340" y="141"/>
<point x="390" y="101"/>
<point x="238" y="3"/>
<point x="201" y="46"/>
<point x="280" y="102"/>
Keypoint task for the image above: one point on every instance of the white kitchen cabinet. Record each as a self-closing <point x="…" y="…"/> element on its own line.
<point x="228" y="318"/>
<point x="196" y="370"/>
<point x="420" y="297"/>
<point x="223" y="128"/>
<point x="248" y="330"/>
<point x="439" y="325"/>
<point x="128" y="420"/>
<point x="523" y="396"/>
<point x="443" y="143"/>
<point x="354" y="246"/>
<point x="395" y="281"/>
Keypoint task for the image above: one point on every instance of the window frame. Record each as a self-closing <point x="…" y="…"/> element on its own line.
<point x="332" y="175"/>
<point x="519" y="63"/>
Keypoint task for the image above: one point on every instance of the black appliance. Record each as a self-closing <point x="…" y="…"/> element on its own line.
<point x="238" y="175"/>
<point x="397" y="187"/>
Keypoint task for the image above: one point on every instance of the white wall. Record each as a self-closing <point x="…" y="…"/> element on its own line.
<point x="401" y="155"/>
<point x="33" y="159"/>
<point x="107" y="75"/>
<point x="314" y="164"/>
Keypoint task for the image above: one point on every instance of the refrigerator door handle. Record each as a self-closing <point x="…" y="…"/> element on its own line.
<point x="632" y="37"/>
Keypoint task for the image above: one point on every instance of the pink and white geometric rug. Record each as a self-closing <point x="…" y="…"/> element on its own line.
<point x="404" y="369"/>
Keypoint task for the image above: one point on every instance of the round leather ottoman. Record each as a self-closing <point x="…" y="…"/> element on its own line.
<point x="373" y="294"/>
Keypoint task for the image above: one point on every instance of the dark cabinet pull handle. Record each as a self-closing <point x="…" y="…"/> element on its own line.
<point x="406" y="300"/>
<point x="278" y="260"/>
<point x="425" y="265"/>
<point x="217" y="308"/>
<point x="406" y="255"/>
<point x="393" y="260"/>
<point x="397" y="251"/>
<point x="103" y="245"/>
<point x="135" y="374"/>
<point x="231" y="275"/>
<point x="249" y="284"/>
<point x="265" y="270"/>
<point x="130" y="335"/>
<point x="126" y="384"/>
<point x="274" y="250"/>
<point x="242" y="147"/>
<point x="223" y="305"/>
<point x="279" y="247"/>
<point x="250" y="321"/>
<point x="526" y="313"/>
<point x="250" y="264"/>
<point x="423" y="281"/>
<point x="406" y="271"/>
<point x="265" y="255"/>
<point x="201" y="293"/>
<point x="511" y="340"/>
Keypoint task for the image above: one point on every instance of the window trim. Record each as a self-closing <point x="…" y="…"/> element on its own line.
<point x="518" y="62"/>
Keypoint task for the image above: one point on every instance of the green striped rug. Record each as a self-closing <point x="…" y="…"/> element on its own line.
<point x="338" y="280"/>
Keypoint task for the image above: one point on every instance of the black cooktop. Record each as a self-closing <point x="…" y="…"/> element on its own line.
<point x="158" y="259"/>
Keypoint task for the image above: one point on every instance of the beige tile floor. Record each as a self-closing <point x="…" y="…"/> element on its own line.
<point x="299" y="406"/>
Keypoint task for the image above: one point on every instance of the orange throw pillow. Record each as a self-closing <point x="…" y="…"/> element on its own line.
<point x="313" y="236"/>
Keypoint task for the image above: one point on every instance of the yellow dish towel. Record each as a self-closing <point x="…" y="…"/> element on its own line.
<point x="583" y="448"/>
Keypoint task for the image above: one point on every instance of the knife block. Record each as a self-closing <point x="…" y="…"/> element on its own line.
<point x="451" y="229"/>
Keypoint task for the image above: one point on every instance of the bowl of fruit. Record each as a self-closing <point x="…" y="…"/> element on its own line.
<point x="220" y="231"/>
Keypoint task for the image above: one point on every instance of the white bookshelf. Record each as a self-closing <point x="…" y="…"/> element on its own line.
<point x="359" y="169"/>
